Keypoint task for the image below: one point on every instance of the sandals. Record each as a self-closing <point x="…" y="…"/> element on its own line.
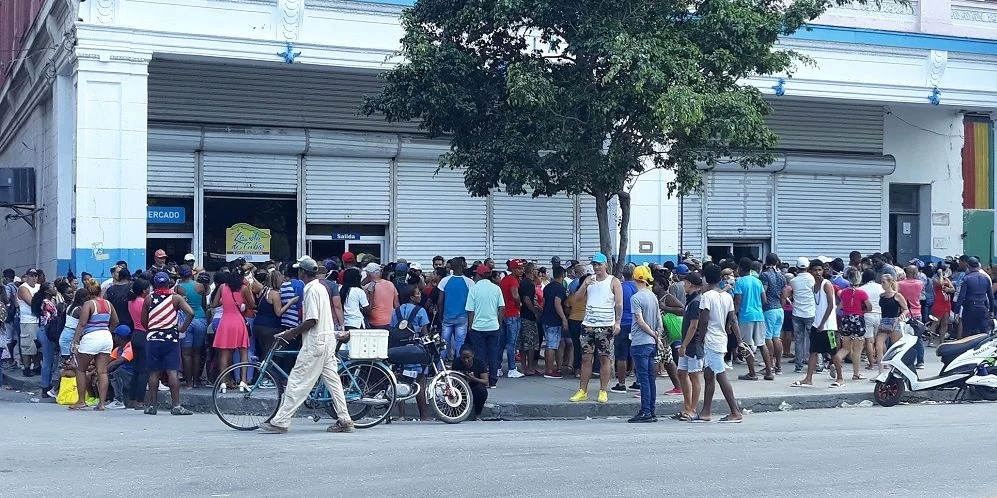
<point x="835" y="385"/>
<point x="747" y="377"/>
<point x="799" y="383"/>
<point x="858" y="377"/>
<point x="698" y="419"/>
<point x="727" y="420"/>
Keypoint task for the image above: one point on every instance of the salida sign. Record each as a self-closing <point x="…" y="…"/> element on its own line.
<point x="243" y="240"/>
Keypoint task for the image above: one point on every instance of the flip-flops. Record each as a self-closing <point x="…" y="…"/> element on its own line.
<point x="800" y="384"/>
<point x="684" y="418"/>
<point x="727" y="420"/>
<point x="835" y="385"/>
<point x="696" y="419"/>
<point x="858" y="377"/>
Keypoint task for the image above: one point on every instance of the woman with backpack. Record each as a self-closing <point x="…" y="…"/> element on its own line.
<point x="43" y="306"/>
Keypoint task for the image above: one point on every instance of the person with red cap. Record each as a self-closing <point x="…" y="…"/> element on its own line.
<point x="485" y="310"/>
<point x="159" y="262"/>
<point x="349" y="261"/>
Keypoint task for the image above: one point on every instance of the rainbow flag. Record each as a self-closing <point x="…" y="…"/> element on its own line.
<point x="978" y="165"/>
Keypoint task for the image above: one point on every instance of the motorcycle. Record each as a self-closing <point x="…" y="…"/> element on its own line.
<point x="447" y="392"/>
<point x="965" y="365"/>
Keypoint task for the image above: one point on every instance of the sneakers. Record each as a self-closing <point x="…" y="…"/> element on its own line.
<point x="267" y="384"/>
<point x="603" y="397"/>
<point x="339" y="426"/>
<point x="179" y="410"/>
<point x="635" y="386"/>
<point x="618" y="388"/>
<point x="115" y="405"/>
<point x="673" y="391"/>
<point x="150" y="410"/>
<point x="515" y="374"/>
<point x="641" y="418"/>
<point x="552" y="374"/>
<point x="271" y="429"/>
<point x="49" y="393"/>
<point x="579" y="396"/>
<point x="27" y="372"/>
<point x="920" y="366"/>
<point x="163" y="387"/>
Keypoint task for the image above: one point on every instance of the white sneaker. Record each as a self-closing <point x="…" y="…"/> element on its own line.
<point x="52" y="393"/>
<point x="515" y="374"/>
<point x="163" y="387"/>
<point x="499" y="372"/>
<point x="115" y="405"/>
<point x="266" y="384"/>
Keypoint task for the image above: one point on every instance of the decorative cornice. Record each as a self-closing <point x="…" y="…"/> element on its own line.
<point x="355" y="7"/>
<point x="888" y="7"/>
<point x="936" y="63"/>
<point x="105" y="11"/>
<point x="975" y="15"/>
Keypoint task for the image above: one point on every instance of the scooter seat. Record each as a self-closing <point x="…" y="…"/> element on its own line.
<point x="950" y="350"/>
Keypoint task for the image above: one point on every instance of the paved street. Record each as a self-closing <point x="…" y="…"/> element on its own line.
<point x="774" y="454"/>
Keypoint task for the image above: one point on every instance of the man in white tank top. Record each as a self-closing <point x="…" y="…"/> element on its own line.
<point x="603" y="295"/>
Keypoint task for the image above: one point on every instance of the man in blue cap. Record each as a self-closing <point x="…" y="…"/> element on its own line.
<point x="120" y="367"/>
<point x="603" y="297"/>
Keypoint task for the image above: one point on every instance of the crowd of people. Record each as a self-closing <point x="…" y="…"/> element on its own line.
<point x="117" y="343"/>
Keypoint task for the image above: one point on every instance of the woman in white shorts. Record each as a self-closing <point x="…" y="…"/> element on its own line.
<point x="872" y="318"/>
<point x="92" y="343"/>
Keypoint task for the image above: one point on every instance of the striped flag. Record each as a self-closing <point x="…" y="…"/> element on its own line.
<point x="978" y="165"/>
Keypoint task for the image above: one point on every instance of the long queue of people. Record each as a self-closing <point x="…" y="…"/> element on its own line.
<point x="175" y="325"/>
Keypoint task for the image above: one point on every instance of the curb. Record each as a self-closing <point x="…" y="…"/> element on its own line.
<point x="200" y="402"/>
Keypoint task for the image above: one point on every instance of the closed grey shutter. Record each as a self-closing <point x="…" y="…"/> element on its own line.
<point x="250" y="173"/>
<point x="530" y="228"/>
<point x="810" y="125"/>
<point x="347" y="190"/>
<point x="692" y="225"/>
<point x="740" y="205"/>
<point x="171" y="160"/>
<point x="828" y="215"/>
<point x="436" y="215"/>
<point x="262" y="94"/>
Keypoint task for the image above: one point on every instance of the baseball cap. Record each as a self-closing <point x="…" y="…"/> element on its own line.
<point x="483" y="270"/>
<point x="515" y="264"/>
<point x="31" y="271"/>
<point x="306" y="263"/>
<point x="556" y="260"/>
<point x="161" y="279"/>
<point x="123" y="331"/>
<point x="372" y="268"/>
<point x="643" y="274"/>
<point x="824" y="259"/>
<point x="682" y="269"/>
<point x="802" y="262"/>
<point x="599" y="258"/>
<point x="185" y="271"/>
<point x="160" y="253"/>
<point x="693" y="278"/>
<point x="188" y="257"/>
<point x="573" y="263"/>
<point x="401" y="268"/>
<point x="416" y="266"/>
<point x="349" y="257"/>
<point x="332" y="265"/>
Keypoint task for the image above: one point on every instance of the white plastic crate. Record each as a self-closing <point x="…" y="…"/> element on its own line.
<point x="368" y="344"/>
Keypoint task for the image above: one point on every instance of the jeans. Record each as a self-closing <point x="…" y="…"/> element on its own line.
<point x="120" y="380"/>
<point x="801" y="340"/>
<point x="575" y="331"/>
<point x="644" y="365"/>
<point x="48" y="356"/>
<point x="510" y="327"/>
<point x="454" y="332"/>
<point x="486" y="346"/>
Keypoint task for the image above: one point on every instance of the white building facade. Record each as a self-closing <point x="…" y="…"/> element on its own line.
<point x="155" y="124"/>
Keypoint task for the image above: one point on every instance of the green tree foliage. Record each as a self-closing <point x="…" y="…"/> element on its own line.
<point x="582" y="96"/>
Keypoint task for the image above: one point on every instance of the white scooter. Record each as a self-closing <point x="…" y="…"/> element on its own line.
<point x="966" y="365"/>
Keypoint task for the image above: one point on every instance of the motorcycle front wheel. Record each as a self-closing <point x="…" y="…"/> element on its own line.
<point x="451" y="398"/>
<point x="889" y="392"/>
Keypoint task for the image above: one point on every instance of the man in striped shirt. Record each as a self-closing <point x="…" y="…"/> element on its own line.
<point x="159" y="315"/>
<point x="291" y="288"/>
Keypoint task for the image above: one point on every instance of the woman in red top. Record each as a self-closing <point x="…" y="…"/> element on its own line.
<point x="854" y="305"/>
<point x="942" y="307"/>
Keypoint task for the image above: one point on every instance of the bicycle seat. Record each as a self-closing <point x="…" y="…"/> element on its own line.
<point x="950" y="350"/>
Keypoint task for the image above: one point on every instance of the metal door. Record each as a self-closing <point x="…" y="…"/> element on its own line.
<point x="906" y="237"/>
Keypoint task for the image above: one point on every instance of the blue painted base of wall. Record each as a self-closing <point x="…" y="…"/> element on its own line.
<point x="99" y="265"/>
<point x="639" y="259"/>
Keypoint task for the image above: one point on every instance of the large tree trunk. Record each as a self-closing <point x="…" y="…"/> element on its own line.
<point x="621" y="255"/>
<point x="602" y="215"/>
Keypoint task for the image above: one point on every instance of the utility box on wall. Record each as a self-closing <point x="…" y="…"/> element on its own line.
<point x="17" y="186"/>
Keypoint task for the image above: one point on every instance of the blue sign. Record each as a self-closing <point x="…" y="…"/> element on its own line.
<point x="166" y="215"/>
<point x="345" y="236"/>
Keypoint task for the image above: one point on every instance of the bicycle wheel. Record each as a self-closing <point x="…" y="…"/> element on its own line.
<point x="370" y="392"/>
<point x="451" y="398"/>
<point x="245" y="410"/>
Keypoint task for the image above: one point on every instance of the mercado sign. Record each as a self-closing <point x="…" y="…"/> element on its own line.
<point x="243" y="240"/>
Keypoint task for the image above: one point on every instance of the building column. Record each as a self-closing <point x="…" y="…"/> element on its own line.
<point x="111" y="170"/>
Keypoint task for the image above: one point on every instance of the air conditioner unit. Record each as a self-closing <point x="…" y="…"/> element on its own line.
<point x="17" y="186"/>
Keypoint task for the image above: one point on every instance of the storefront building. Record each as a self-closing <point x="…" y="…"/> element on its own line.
<point x="223" y="127"/>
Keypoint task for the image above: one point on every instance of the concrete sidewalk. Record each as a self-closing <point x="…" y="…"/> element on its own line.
<point x="539" y="398"/>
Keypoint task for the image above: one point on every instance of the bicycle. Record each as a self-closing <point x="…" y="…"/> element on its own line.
<point x="369" y="385"/>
